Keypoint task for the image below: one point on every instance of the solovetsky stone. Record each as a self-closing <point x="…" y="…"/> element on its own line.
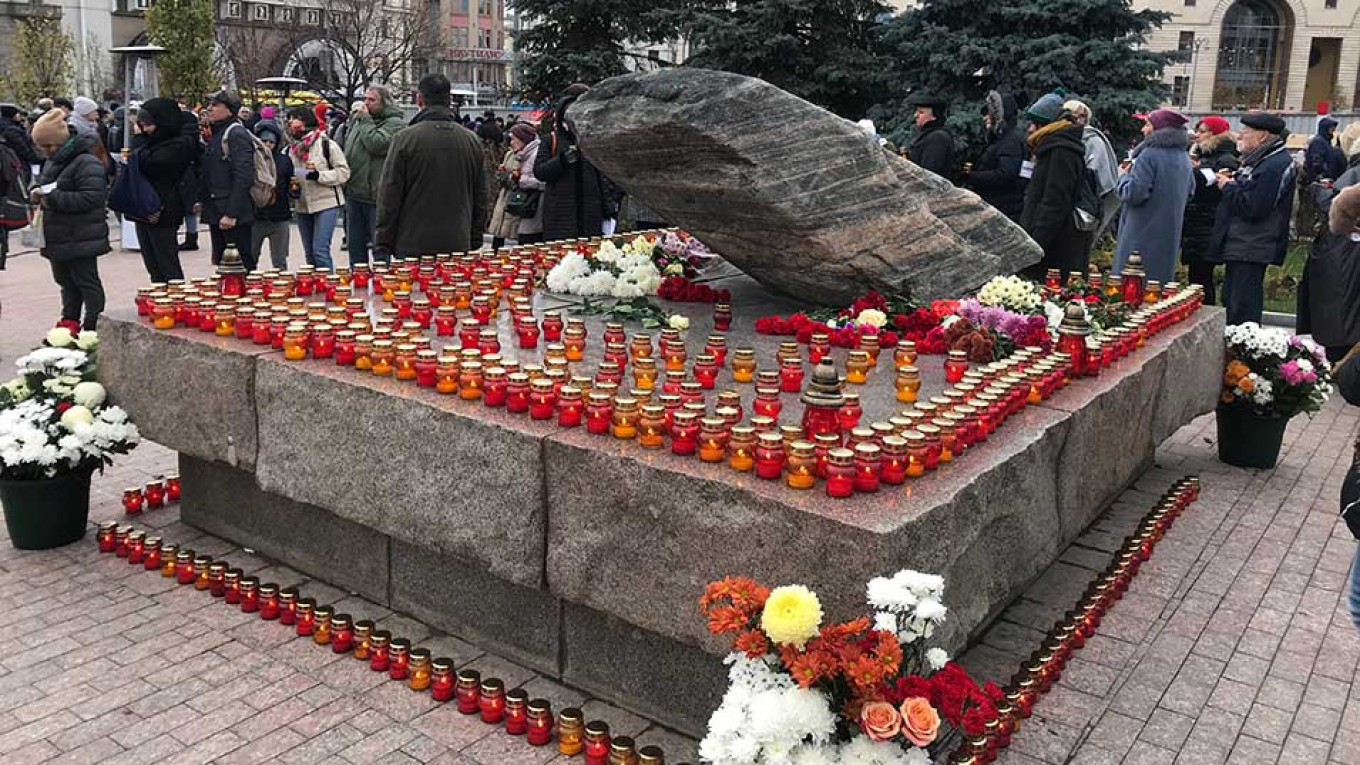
<point x="798" y="198"/>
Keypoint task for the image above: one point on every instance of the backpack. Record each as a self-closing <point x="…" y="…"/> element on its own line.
<point x="262" y="188"/>
<point x="1086" y="208"/>
<point x="133" y="195"/>
<point x="15" y="212"/>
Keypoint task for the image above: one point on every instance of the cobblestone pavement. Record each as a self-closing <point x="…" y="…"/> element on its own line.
<point x="1232" y="645"/>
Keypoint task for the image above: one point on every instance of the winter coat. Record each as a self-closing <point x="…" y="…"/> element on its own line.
<point x="367" y="138"/>
<point x="1050" y="196"/>
<point x="528" y="182"/>
<point x="1101" y="159"/>
<point x="996" y="175"/>
<point x="574" y="191"/>
<point x="280" y="210"/>
<point x="1154" y="192"/>
<point x="332" y="168"/>
<point x="162" y="158"/>
<point x="1252" y="223"/>
<point x="1220" y="153"/>
<point x="1322" y="159"/>
<point x="191" y="184"/>
<point x="228" y="172"/>
<point x="75" y="213"/>
<point x="433" y="194"/>
<point x="13" y="135"/>
<point x="933" y="149"/>
<point x="503" y="224"/>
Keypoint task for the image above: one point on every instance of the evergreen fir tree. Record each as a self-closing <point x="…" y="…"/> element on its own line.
<point x="1091" y="49"/>
<point x="571" y="41"/>
<point x="821" y="50"/>
<point x="185" y="29"/>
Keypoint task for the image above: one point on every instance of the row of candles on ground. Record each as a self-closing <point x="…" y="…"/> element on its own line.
<point x="1131" y="285"/>
<point x="158" y="492"/>
<point x="422" y="672"/>
<point x="1070" y="634"/>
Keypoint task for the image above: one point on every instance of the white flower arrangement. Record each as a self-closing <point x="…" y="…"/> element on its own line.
<point x="1011" y="293"/>
<point x="623" y="273"/>
<point x="909" y="603"/>
<point x="53" y="417"/>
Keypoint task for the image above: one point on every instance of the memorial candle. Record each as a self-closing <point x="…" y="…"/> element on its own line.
<point x="769" y="456"/>
<point x="469" y="691"/>
<point x="470" y="381"/>
<point x="570" y="407"/>
<point x="288" y="597"/>
<point x="744" y="365"/>
<point x="304" y="617"/>
<point x="542" y="399"/>
<point x="625" y="422"/>
<point x="106" y="536"/>
<point x="574" y="340"/>
<point x="136" y="546"/>
<point x="398" y="658"/>
<point x="202" y="572"/>
<point x="954" y="366"/>
<point x="441" y="679"/>
<point x="850" y="412"/>
<point x="908" y="384"/>
<point x="684" y="433"/>
<point x="767" y="403"/>
<point x="819" y="347"/>
<point x="516" y="712"/>
<point x="540" y="722"/>
<point x="552" y="327"/>
<point x="491" y="703"/>
<point x="379" y="650"/>
<point x="599" y="412"/>
<point x="133" y="501"/>
<point x="155" y="493"/>
<point x="597" y="742"/>
<point x="722" y="317"/>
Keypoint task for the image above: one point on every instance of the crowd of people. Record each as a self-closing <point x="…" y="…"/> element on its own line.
<point x="437" y="183"/>
<point x="1202" y="197"/>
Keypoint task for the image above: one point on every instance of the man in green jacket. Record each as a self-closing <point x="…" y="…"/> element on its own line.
<point x="433" y="196"/>
<point x="368" y="135"/>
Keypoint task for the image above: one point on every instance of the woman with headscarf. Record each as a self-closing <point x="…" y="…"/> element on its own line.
<point x="996" y="175"/>
<point x="321" y="169"/>
<point x="1155" y="189"/>
<point x="1214" y="151"/>
<point x="162" y="158"/>
<point x="1059" y="166"/>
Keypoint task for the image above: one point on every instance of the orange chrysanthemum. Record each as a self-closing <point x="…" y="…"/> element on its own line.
<point x="753" y="643"/>
<point x="723" y="619"/>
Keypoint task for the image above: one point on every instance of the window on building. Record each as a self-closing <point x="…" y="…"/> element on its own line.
<point x="460" y="37"/>
<point x="1180" y="91"/>
<point x="1330" y="4"/>
<point x="233" y="10"/>
<point x="287" y="15"/>
<point x="1252" y="63"/>
<point x="261" y="12"/>
<point x="1186" y="42"/>
<point x="1189" y="3"/>
<point x="314" y="17"/>
<point x="141" y="5"/>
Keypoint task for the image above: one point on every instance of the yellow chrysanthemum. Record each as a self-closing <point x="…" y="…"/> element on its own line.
<point x="792" y="615"/>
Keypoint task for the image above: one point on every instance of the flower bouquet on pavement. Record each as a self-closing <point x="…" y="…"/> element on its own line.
<point x="1270" y="377"/>
<point x="864" y="692"/>
<point x="55" y="430"/>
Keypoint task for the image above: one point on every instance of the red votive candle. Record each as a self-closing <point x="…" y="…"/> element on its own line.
<point x="540" y="722"/>
<point x="250" y="594"/>
<point x="269" y="601"/>
<point x="288" y="606"/>
<point x="469" y="691"/>
<point x="516" y="712"/>
<point x="105" y="536"/>
<point x="840" y="473"/>
<point x="379" y="651"/>
<point x="305" y="617"/>
<point x="133" y="501"/>
<point x="398" y="658"/>
<point x="441" y="684"/>
<point x="231" y="586"/>
<point x="492" y="701"/>
<point x="155" y="494"/>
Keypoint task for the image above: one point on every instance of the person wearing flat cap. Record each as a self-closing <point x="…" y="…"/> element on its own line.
<point x="228" y="172"/>
<point x="1154" y="191"/>
<point x="933" y="147"/>
<point x="1251" y="229"/>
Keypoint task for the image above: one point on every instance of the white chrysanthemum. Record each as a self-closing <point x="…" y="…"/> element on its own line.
<point x="87" y="340"/>
<point x="931" y="609"/>
<point x="59" y="337"/>
<point x="90" y="394"/>
<point x="885" y="621"/>
<point x="937" y="658"/>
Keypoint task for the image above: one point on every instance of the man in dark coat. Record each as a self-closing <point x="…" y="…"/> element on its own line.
<point x="433" y="195"/>
<point x="933" y="147"/>
<point x="1322" y="158"/>
<point x="228" y="172"/>
<point x="163" y="157"/>
<point x="996" y="175"/>
<point x="576" y="194"/>
<point x="13" y="135"/>
<point x="1215" y="150"/>
<point x="75" y="217"/>
<point x="1251" y="228"/>
<point x="1055" y="137"/>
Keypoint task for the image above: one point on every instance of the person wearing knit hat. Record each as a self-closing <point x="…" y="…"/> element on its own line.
<point x="1251" y="230"/>
<point x="1059" y="166"/>
<point x="1154" y="191"/>
<point x="84" y="119"/>
<point x="1214" y="151"/>
<point x="516" y="174"/>
<point x="995" y="176"/>
<point x="368" y="134"/>
<point x="72" y="190"/>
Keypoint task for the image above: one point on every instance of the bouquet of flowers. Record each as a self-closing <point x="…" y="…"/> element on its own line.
<point x="1012" y="293"/>
<point x="1015" y="330"/>
<point x="890" y="319"/>
<point x="629" y="270"/>
<point x="53" y="417"/>
<point x="1274" y="373"/>
<point x="867" y="691"/>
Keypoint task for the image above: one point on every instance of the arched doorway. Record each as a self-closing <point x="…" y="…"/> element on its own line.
<point x="324" y="64"/>
<point x="1253" y="56"/>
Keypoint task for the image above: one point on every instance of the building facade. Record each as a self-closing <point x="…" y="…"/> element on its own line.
<point x="1294" y="55"/>
<point x="476" y="55"/>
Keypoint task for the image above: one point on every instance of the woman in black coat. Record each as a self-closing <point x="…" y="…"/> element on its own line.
<point x="1050" y="198"/>
<point x="996" y="175"/>
<point x="75" y="218"/>
<point x="576" y="193"/>
<point x="1215" y="149"/>
<point x="163" y="159"/>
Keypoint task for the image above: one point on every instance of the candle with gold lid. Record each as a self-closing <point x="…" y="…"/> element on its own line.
<point x="743" y="365"/>
<point x="625" y="423"/>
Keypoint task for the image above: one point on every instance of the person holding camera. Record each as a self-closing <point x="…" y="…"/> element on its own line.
<point x="575" y="194"/>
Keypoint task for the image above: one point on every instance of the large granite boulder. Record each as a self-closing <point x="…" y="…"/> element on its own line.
<point x="793" y="195"/>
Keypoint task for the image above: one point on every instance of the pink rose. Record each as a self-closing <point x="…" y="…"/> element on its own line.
<point x="880" y="720"/>
<point x="920" y="721"/>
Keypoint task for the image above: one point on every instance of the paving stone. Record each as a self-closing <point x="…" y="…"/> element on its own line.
<point x="1167" y="729"/>
<point x="1115" y="732"/>
<point x="1268" y="723"/>
<point x="1301" y="750"/>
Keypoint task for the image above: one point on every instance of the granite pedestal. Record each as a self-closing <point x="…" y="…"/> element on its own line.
<point x="583" y="556"/>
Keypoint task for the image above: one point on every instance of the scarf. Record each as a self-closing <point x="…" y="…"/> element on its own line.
<point x="303" y="148"/>
<point x="1257" y="156"/>
<point x="1037" y="137"/>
